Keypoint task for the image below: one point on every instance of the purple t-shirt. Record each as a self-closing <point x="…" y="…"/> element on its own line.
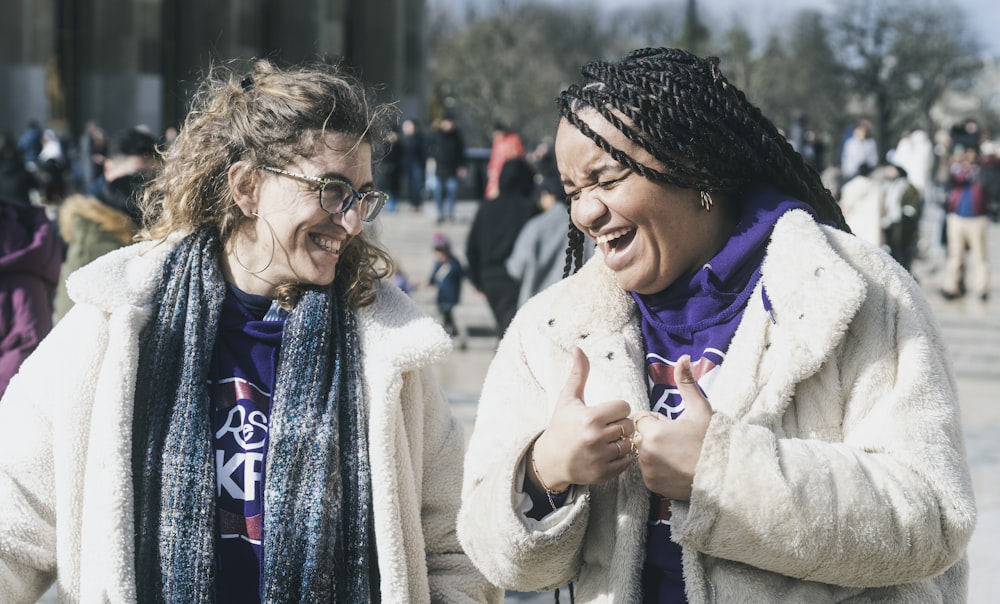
<point x="241" y="383"/>
<point x="698" y="316"/>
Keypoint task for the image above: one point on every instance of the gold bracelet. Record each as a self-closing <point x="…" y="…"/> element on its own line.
<point x="548" y="492"/>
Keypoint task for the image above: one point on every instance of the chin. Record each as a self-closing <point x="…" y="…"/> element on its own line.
<point x="643" y="288"/>
<point x="324" y="281"/>
<point x="628" y="284"/>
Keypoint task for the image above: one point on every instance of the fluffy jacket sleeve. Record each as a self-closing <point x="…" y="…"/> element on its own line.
<point x="47" y="412"/>
<point x="451" y="574"/>
<point x="512" y="551"/>
<point x="27" y="507"/>
<point x="416" y="449"/>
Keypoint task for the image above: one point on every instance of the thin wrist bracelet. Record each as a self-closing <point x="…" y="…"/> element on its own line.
<point x="548" y="492"/>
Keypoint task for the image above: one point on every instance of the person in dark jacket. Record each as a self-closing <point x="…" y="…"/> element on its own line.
<point x="413" y="158"/>
<point x="448" y="151"/>
<point x="92" y="226"/>
<point x="492" y="236"/>
<point x="30" y="255"/>
<point x="16" y="182"/>
<point x="447" y="275"/>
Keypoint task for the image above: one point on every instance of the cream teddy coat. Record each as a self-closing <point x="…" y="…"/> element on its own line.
<point x="66" y="510"/>
<point x="833" y="469"/>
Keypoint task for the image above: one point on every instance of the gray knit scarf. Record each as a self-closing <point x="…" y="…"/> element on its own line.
<point x="317" y="499"/>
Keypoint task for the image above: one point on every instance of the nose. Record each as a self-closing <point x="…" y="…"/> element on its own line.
<point x="350" y="220"/>
<point x="587" y="209"/>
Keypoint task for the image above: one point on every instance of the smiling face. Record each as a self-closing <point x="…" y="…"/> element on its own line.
<point x="307" y="241"/>
<point x="650" y="233"/>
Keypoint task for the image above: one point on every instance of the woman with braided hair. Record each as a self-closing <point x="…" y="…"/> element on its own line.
<point x="244" y="410"/>
<point x="735" y="399"/>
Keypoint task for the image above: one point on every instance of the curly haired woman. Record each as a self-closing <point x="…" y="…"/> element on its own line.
<point x="243" y="411"/>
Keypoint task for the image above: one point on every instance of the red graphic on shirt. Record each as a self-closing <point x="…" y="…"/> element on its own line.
<point x="235" y="526"/>
<point x="226" y="393"/>
<point x="659" y="510"/>
<point x="662" y="374"/>
<point x="664" y="395"/>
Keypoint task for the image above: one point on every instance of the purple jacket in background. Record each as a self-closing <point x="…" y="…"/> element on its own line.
<point x="30" y="258"/>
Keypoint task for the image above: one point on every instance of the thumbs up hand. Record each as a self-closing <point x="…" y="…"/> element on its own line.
<point x="669" y="449"/>
<point x="583" y="444"/>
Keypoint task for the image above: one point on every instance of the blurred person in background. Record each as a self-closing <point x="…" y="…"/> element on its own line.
<point x="16" y="181"/>
<point x="413" y="161"/>
<point x="92" y="150"/>
<point x="447" y="149"/>
<point x="914" y="153"/>
<point x="92" y="226"/>
<point x="859" y="149"/>
<point x="862" y="200"/>
<point x="903" y="208"/>
<point x="506" y="145"/>
<point x="966" y="225"/>
<point x="495" y="227"/>
<point x="30" y="254"/>
<point x="52" y="165"/>
<point x="388" y="175"/>
<point x="30" y="143"/>
<point x="447" y="275"/>
<point x="538" y="258"/>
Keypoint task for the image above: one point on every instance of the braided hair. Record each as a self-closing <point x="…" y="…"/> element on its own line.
<point x="681" y="110"/>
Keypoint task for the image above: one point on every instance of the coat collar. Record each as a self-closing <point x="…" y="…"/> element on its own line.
<point x="394" y="329"/>
<point x="814" y="294"/>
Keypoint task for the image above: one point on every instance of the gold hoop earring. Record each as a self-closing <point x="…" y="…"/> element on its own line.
<point x="706" y="200"/>
<point x="236" y="255"/>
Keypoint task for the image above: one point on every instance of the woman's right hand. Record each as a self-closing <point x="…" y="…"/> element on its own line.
<point x="583" y="444"/>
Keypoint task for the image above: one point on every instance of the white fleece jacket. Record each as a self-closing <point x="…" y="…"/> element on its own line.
<point x="66" y="509"/>
<point x="833" y="469"/>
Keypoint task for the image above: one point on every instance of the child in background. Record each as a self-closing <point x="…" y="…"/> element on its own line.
<point x="447" y="275"/>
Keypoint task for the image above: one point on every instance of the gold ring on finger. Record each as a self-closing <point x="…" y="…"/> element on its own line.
<point x="619" y="447"/>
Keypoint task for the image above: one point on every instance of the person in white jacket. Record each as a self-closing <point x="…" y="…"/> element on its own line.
<point x="239" y="408"/>
<point x="735" y="400"/>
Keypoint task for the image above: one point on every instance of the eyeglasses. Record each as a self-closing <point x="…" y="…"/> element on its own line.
<point x="341" y="195"/>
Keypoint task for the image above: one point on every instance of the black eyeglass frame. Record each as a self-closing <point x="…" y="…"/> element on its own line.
<point x="368" y="211"/>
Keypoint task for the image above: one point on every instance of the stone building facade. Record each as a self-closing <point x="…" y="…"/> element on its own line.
<point x="129" y="62"/>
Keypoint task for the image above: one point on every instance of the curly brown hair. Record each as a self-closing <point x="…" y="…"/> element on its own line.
<point x="681" y="110"/>
<point x="267" y="116"/>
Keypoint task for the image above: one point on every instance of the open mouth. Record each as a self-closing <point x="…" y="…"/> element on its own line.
<point x="330" y="245"/>
<point x="615" y="241"/>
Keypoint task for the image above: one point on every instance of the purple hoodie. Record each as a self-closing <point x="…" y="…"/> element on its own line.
<point x="30" y="258"/>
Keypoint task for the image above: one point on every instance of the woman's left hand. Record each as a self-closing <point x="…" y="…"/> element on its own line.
<point x="669" y="450"/>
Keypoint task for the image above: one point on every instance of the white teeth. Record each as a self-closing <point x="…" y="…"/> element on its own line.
<point x="601" y="239"/>
<point x="330" y="245"/>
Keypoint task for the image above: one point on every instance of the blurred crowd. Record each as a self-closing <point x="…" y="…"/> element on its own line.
<point x="925" y="197"/>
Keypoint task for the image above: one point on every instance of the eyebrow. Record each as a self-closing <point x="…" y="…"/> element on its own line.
<point x="594" y="174"/>
<point x="342" y="177"/>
